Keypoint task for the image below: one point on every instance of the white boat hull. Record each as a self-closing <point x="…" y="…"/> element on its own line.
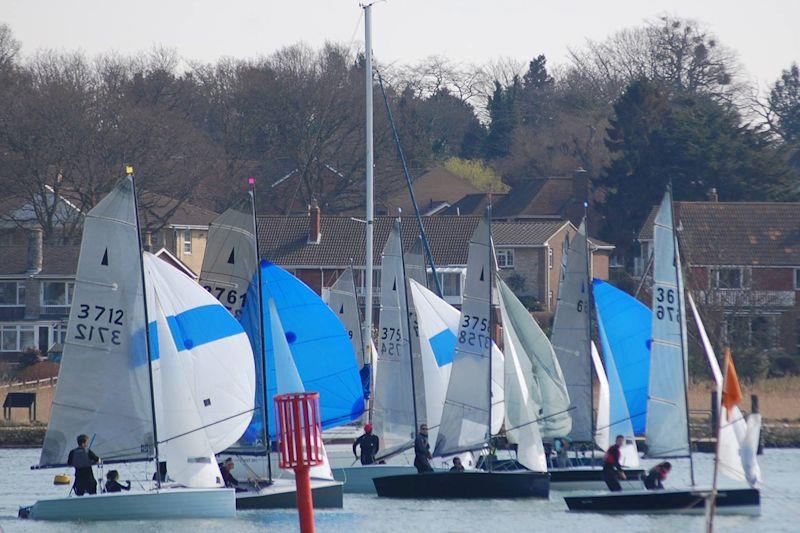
<point x="160" y="505"/>
<point x="282" y="494"/>
<point x="358" y="479"/>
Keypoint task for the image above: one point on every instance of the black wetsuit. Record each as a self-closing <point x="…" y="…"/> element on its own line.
<point x="457" y="468"/>
<point x="653" y="479"/>
<point x="612" y="468"/>
<point x="369" y="448"/>
<point x="82" y="460"/>
<point x="230" y="481"/>
<point x="422" y="451"/>
<point x="116" y="486"/>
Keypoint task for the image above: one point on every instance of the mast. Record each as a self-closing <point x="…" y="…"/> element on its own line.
<point x="262" y="348"/>
<point x="589" y="311"/>
<point x="129" y="172"/>
<point x="408" y="322"/>
<point x="491" y="323"/>
<point x="682" y="316"/>
<point x="369" y="164"/>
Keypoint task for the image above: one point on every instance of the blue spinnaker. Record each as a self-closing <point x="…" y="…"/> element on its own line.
<point x="319" y="344"/>
<point x="625" y="327"/>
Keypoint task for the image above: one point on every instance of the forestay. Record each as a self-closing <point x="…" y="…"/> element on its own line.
<point x="571" y="335"/>
<point x="625" y="341"/>
<point x="393" y="411"/>
<point x="548" y="390"/>
<point x="415" y="270"/>
<point x="667" y="429"/>
<point x="105" y="343"/>
<point x="521" y="412"/>
<point x="211" y="351"/>
<point x="466" y="417"/>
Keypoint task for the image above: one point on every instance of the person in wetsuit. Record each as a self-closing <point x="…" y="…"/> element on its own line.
<point x="654" y="480"/>
<point x="612" y="469"/>
<point x="369" y="445"/>
<point x="82" y="459"/>
<point x="422" y="451"/>
<point x="227" y="477"/>
<point x="113" y="484"/>
<point x="457" y="465"/>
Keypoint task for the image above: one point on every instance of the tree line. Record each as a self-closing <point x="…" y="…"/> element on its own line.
<point x="661" y="103"/>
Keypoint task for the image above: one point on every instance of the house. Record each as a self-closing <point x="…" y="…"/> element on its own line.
<point x="318" y="248"/>
<point x="742" y="262"/>
<point x="434" y="190"/>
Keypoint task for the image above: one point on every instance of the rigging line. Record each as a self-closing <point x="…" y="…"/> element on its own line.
<point x="207" y="425"/>
<point x="541" y="418"/>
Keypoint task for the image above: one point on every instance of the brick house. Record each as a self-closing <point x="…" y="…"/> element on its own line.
<point x="317" y="248"/>
<point x="742" y="262"/>
<point x="434" y="190"/>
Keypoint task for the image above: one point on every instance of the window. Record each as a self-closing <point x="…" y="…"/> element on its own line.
<point x="752" y="331"/>
<point x="550" y="258"/>
<point x="797" y="279"/>
<point x="187" y="241"/>
<point x="505" y="258"/>
<point x="57" y="293"/>
<point x="730" y="278"/>
<point x="16" y="338"/>
<point x="451" y="283"/>
<point x="12" y="293"/>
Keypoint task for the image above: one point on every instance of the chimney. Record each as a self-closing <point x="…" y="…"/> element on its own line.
<point x="712" y="195"/>
<point x="314" y="223"/>
<point x="34" y="251"/>
<point x="580" y="185"/>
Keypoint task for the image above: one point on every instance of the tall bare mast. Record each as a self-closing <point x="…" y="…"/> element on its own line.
<point x="369" y="164"/>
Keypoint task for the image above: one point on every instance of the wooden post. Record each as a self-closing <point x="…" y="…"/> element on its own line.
<point x="714" y="411"/>
<point x="754" y="408"/>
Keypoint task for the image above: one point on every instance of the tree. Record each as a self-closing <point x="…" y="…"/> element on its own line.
<point x="694" y="142"/>
<point x="784" y="105"/>
<point x="504" y="117"/>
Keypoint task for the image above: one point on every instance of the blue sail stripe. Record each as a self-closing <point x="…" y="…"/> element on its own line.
<point x="443" y="345"/>
<point x="201" y="325"/>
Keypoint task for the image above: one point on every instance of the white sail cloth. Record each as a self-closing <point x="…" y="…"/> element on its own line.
<point x="667" y="425"/>
<point x="394" y="410"/>
<point x="341" y="298"/>
<point x="104" y="387"/>
<point x="521" y="412"/>
<point x="570" y="337"/>
<point x="415" y="270"/>
<point x="601" y="433"/>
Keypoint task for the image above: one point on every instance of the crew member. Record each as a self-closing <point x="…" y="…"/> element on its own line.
<point x="612" y="469"/>
<point x="369" y="445"/>
<point x="422" y="451"/>
<point x="654" y="480"/>
<point x="230" y="482"/>
<point x="113" y="484"/>
<point x="561" y="446"/>
<point x="457" y="466"/>
<point x="82" y="459"/>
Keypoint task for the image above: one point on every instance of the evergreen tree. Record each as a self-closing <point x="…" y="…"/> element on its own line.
<point x="504" y="117"/>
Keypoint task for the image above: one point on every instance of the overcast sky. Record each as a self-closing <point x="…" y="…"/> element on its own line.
<point x="765" y="34"/>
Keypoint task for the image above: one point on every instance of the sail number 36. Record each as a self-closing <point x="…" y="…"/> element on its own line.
<point x="665" y="304"/>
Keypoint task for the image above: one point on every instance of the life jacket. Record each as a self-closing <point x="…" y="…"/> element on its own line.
<point x="612" y="455"/>
<point x="80" y="458"/>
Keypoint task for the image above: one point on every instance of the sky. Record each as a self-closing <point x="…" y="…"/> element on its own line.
<point x="765" y="34"/>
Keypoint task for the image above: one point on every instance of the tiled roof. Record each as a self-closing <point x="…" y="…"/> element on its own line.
<point x="186" y="214"/>
<point x="474" y="204"/>
<point x="537" y="197"/>
<point x="56" y="260"/>
<point x="284" y="239"/>
<point x="736" y="233"/>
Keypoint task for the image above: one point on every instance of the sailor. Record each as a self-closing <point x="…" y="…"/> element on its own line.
<point x="161" y="475"/>
<point x="457" y="466"/>
<point x="113" y="484"/>
<point x="422" y="451"/>
<point x="654" y="480"/>
<point x="369" y="445"/>
<point x="612" y="469"/>
<point x="230" y="481"/>
<point x="82" y="459"/>
<point x="561" y="446"/>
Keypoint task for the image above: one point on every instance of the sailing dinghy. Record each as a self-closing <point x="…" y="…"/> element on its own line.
<point x="466" y="423"/>
<point x="231" y="273"/>
<point x="183" y="387"/>
<point x="667" y="406"/>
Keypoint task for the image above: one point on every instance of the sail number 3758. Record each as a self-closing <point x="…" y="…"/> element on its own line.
<point x="474" y="332"/>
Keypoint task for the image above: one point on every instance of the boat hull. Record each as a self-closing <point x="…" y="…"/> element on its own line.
<point x="473" y="484"/>
<point x="729" y="501"/>
<point x="587" y="478"/>
<point x="358" y="479"/>
<point x="164" y="504"/>
<point x="282" y="494"/>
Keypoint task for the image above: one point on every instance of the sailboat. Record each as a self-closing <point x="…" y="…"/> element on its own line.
<point x="572" y="344"/>
<point x="667" y="405"/>
<point x="231" y="273"/>
<point x="466" y="423"/>
<point x="181" y="389"/>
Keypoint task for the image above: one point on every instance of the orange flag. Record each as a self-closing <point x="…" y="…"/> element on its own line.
<point x="731" y="391"/>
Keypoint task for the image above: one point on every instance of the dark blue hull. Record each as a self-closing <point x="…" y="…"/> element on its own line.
<point x="473" y="484"/>
<point x="732" y="501"/>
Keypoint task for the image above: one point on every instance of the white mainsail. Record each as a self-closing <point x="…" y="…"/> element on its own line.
<point x="521" y="412"/>
<point x="104" y="388"/>
<point x="393" y="411"/>
<point x="667" y="428"/>
<point x="466" y="417"/>
<point x="212" y="353"/>
<point x="548" y="391"/>
<point x="601" y="433"/>
<point x="570" y="336"/>
<point x="342" y="301"/>
<point x="229" y="261"/>
<point x="415" y="270"/>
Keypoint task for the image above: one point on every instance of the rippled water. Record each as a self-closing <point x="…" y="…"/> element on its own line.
<point x="780" y="508"/>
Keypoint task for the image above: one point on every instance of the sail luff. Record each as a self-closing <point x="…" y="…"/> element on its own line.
<point x="415" y="270"/>
<point x="570" y="336"/>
